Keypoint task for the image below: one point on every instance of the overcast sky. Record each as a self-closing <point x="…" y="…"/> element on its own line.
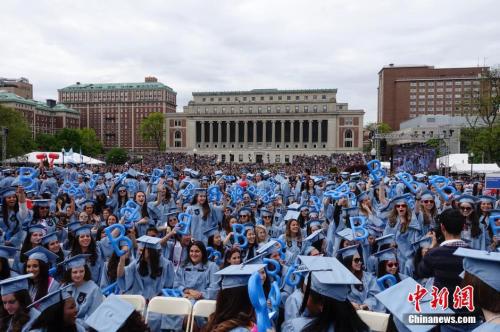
<point x="240" y="45"/>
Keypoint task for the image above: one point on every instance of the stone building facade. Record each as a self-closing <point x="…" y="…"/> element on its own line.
<point x="265" y="125"/>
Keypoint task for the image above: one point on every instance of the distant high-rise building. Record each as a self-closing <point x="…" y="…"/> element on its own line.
<point x="115" y="110"/>
<point x="18" y="86"/>
<point x="46" y="118"/>
<point x="405" y="92"/>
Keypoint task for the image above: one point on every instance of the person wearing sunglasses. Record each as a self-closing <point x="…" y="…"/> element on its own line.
<point x="361" y="296"/>
<point x="403" y="223"/>
<point x="388" y="263"/>
<point x="42" y="215"/>
<point x="474" y="232"/>
<point x="426" y="211"/>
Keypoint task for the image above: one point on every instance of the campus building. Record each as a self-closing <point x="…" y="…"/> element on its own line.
<point x="265" y="125"/>
<point x="115" y="110"/>
<point x="42" y="117"/>
<point x="405" y="92"/>
<point x="18" y="86"/>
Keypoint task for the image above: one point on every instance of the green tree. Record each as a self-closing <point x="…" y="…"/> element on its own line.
<point x="91" y="146"/>
<point x="481" y="106"/>
<point x="152" y="129"/>
<point x="383" y="128"/>
<point x="19" y="139"/>
<point x="46" y="142"/>
<point x="116" y="156"/>
<point x="69" y="139"/>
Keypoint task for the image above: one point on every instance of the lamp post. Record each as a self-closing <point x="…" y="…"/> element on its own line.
<point x="230" y="160"/>
<point x="315" y="164"/>
<point x="268" y="159"/>
<point x="194" y="154"/>
<point x="373" y="153"/>
<point x="471" y="163"/>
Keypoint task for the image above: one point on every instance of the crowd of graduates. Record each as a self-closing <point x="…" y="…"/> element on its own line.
<point x="316" y="246"/>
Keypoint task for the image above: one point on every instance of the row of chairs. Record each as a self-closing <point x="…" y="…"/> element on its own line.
<point x="376" y="321"/>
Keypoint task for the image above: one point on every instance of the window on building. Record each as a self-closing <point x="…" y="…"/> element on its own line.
<point x="413" y="84"/>
<point x="324" y="108"/>
<point x="288" y="98"/>
<point x="323" y="97"/>
<point x="271" y="97"/>
<point x="348" y="137"/>
<point x="244" y="98"/>
<point x="306" y="109"/>
<point x="262" y="98"/>
<point x="296" y="109"/>
<point x="280" y="97"/>
<point x="228" y="99"/>
<point x="277" y="158"/>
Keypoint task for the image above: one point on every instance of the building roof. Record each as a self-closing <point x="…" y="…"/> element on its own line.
<point x="9" y="97"/>
<point x="6" y="97"/>
<point x="262" y="92"/>
<point x="117" y="86"/>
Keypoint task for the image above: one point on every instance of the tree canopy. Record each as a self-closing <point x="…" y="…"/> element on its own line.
<point x="68" y="138"/>
<point x="152" y="130"/>
<point x="19" y="139"/>
<point x="116" y="156"/>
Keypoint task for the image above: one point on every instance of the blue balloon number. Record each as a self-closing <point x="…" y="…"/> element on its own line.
<point x="259" y="301"/>
<point x="214" y="255"/>
<point x="184" y="225"/>
<point x="358" y="226"/>
<point x="441" y="184"/>
<point x="389" y="278"/>
<point x="239" y="236"/>
<point x="115" y="241"/>
<point x="407" y="179"/>
<point x="376" y="171"/>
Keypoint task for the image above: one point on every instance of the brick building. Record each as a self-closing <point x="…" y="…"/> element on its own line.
<point x="405" y="92"/>
<point x="18" y="86"/>
<point x="265" y="125"/>
<point x="42" y="117"/>
<point x="115" y="110"/>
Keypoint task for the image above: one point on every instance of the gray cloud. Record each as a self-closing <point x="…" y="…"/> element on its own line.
<point x="238" y="45"/>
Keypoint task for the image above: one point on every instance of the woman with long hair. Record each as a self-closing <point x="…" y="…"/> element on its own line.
<point x="402" y="222"/>
<point x="474" y="232"/>
<point x="232" y="256"/>
<point x="58" y="311"/>
<point x="203" y="216"/>
<point x="43" y="216"/>
<point x="233" y="309"/>
<point x="362" y="296"/>
<point x="51" y="242"/>
<point x="292" y="239"/>
<point x="485" y="205"/>
<point x="215" y="241"/>
<point x="426" y="211"/>
<point x="388" y="264"/>
<point x="33" y="239"/>
<point x="15" y="315"/>
<point x="149" y="273"/>
<point x="144" y="222"/>
<point x="78" y="278"/>
<point x="250" y="251"/>
<point x="14" y="215"/>
<point x="159" y="209"/>
<point x="38" y="264"/>
<point x="326" y="301"/>
<point x="84" y="243"/>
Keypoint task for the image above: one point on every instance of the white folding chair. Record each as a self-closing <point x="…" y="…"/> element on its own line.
<point x="177" y="306"/>
<point x="202" y="308"/>
<point x="138" y="301"/>
<point x="376" y="321"/>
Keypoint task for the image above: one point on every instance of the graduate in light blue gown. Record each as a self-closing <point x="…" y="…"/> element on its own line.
<point x="33" y="238"/>
<point x="16" y="299"/>
<point x="293" y="240"/>
<point x="144" y="222"/>
<point x="159" y="208"/>
<point x="325" y="298"/>
<point x="84" y="243"/>
<point x="149" y="273"/>
<point x="6" y="253"/>
<point x="14" y="215"/>
<point x="195" y="279"/>
<point x="203" y="216"/>
<point x="294" y="302"/>
<point x="86" y="293"/>
<point x="57" y="312"/>
<point x="388" y="264"/>
<point x="234" y="311"/>
<point x="402" y="222"/>
<point x="361" y="296"/>
<point x="481" y="271"/>
<point x="474" y="232"/>
<point x="42" y="215"/>
<point x="38" y="264"/>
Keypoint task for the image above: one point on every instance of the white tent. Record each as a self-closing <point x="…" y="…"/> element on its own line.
<point x="74" y="157"/>
<point x="452" y="159"/>
<point x="476" y="168"/>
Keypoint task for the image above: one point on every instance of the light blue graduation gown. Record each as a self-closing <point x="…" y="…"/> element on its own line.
<point x="133" y="283"/>
<point x="158" y="212"/>
<point x="200" y="226"/>
<point x="479" y="242"/>
<point x="33" y="313"/>
<point x="87" y="297"/>
<point x="367" y="295"/>
<point x="293" y="304"/>
<point x="12" y="230"/>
